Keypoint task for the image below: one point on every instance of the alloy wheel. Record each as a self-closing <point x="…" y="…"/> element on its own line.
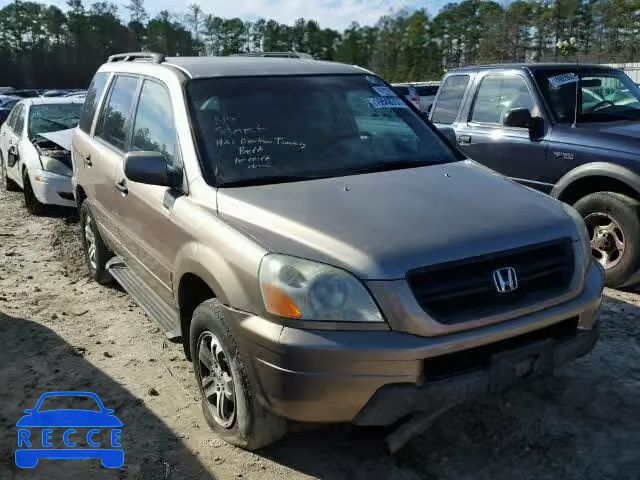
<point x="216" y="381"/>
<point x="607" y="239"/>
<point x="90" y="238"/>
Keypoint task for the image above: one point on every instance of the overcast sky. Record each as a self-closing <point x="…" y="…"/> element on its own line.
<point x="330" y="13"/>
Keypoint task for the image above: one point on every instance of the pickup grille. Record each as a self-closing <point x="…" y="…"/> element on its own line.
<point x="464" y="290"/>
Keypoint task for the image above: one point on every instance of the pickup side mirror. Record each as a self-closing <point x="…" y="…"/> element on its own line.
<point x="521" y="118"/>
<point x="151" y="168"/>
<point x="450" y="135"/>
<point x="518" y="118"/>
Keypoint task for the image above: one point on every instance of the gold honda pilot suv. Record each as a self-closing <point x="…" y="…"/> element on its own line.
<point x="323" y="252"/>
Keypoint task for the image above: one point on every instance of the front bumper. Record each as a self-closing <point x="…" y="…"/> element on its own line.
<point x="359" y="376"/>
<point x="51" y="188"/>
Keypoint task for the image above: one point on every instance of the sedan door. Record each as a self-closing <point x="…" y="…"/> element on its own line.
<point x="483" y="135"/>
<point x="11" y="144"/>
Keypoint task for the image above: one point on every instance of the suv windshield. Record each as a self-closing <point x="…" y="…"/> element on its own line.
<point x="53" y="117"/>
<point x="254" y="130"/>
<point x="603" y="95"/>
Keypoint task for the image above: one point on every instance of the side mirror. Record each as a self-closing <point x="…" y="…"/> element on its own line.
<point x="518" y="118"/>
<point x="12" y="156"/>
<point x="29" y="411"/>
<point x="151" y="168"/>
<point x="450" y="135"/>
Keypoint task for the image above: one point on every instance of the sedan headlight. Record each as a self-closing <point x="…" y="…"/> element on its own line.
<point x="295" y="288"/>
<point x="54" y="165"/>
<point x="583" y="233"/>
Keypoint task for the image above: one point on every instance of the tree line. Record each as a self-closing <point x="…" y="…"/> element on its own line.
<point x="46" y="47"/>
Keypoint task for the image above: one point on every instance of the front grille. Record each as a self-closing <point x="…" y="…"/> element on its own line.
<point x="464" y="290"/>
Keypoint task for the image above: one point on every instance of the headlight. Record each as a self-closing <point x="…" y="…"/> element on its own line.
<point x="295" y="288"/>
<point x="53" y="165"/>
<point x="583" y="233"/>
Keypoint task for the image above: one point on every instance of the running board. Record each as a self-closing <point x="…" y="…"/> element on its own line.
<point x="160" y="311"/>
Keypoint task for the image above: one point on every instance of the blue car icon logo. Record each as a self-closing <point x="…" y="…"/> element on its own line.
<point x="48" y="431"/>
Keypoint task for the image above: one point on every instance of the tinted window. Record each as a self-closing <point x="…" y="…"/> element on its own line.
<point x="154" y="128"/>
<point x="19" y="125"/>
<point x="427" y="91"/>
<point x="258" y="129"/>
<point x="116" y="114"/>
<point x="91" y="101"/>
<point x="446" y="108"/>
<point x="498" y="95"/>
<point x="402" y="90"/>
<point x="53" y="117"/>
<point x="11" y="121"/>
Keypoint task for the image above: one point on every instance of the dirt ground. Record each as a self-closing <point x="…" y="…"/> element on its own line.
<point x="60" y="331"/>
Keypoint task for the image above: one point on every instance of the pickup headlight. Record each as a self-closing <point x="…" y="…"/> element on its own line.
<point x="53" y="165"/>
<point x="295" y="288"/>
<point x="583" y="233"/>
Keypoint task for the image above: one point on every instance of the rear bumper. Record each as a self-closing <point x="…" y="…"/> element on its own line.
<point x="361" y="376"/>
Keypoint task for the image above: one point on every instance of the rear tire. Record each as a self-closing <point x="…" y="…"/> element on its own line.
<point x="30" y="201"/>
<point x="613" y="222"/>
<point x="8" y="184"/>
<point x="96" y="253"/>
<point x="241" y="421"/>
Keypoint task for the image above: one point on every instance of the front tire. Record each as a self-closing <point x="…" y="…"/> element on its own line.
<point x="30" y="201"/>
<point x="613" y="222"/>
<point x="95" y="251"/>
<point x="228" y="401"/>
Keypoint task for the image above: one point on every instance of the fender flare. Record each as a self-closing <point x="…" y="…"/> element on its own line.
<point x="597" y="169"/>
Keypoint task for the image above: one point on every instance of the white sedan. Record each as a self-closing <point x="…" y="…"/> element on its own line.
<point x="35" y="150"/>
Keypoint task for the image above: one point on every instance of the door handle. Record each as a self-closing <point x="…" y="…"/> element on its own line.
<point x="464" y="139"/>
<point x="87" y="160"/>
<point x="122" y="187"/>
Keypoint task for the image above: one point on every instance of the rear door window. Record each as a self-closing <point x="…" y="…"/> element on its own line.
<point x="115" y="118"/>
<point x="91" y="101"/>
<point x="446" y="108"/>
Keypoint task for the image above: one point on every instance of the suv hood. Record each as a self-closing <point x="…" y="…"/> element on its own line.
<point x="621" y="136"/>
<point x="381" y="225"/>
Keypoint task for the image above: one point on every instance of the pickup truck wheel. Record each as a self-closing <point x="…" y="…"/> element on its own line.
<point x="30" y="201"/>
<point x="613" y="223"/>
<point x="228" y="403"/>
<point x="95" y="251"/>
<point x="8" y="184"/>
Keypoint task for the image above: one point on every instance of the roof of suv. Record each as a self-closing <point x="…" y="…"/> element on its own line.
<point x="204" y="67"/>
<point x="530" y="66"/>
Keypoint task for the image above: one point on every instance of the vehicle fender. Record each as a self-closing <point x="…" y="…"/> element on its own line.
<point x="597" y="169"/>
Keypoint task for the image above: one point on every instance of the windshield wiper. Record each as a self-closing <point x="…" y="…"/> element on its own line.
<point x="251" y="182"/>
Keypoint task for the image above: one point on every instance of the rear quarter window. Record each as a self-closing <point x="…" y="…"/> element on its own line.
<point x="94" y="94"/>
<point x="446" y="108"/>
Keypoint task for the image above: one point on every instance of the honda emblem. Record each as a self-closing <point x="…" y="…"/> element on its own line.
<point x="505" y="280"/>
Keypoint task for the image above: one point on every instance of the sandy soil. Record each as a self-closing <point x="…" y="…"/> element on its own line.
<point x="60" y="331"/>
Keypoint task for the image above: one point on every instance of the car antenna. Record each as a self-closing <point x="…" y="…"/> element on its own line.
<point x="575" y="108"/>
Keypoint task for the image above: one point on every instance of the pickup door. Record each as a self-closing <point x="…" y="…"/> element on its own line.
<point x="481" y="131"/>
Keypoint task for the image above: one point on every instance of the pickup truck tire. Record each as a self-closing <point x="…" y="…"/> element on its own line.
<point x="96" y="253"/>
<point x="8" y="184"/>
<point x="623" y="212"/>
<point x="220" y="371"/>
<point x="30" y="201"/>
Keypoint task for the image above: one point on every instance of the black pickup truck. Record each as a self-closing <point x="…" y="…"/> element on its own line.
<point x="521" y="120"/>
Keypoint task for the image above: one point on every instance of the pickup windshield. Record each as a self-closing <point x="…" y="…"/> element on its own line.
<point x="259" y="130"/>
<point x="603" y="95"/>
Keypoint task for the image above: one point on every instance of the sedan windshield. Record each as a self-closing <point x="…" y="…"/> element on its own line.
<point x="255" y="130"/>
<point x="53" y="117"/>
<point x="603" y="95"/>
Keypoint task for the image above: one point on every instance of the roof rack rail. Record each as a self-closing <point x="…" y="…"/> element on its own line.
<point x="275" y="54"/>
<point x="133" y="56"/>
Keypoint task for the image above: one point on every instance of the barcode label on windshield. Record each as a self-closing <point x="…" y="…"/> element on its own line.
<point x="387" y="102"/>
<point x="559" y="80"/>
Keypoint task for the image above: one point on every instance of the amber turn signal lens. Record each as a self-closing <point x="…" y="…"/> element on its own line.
<point x="278" y="302"/>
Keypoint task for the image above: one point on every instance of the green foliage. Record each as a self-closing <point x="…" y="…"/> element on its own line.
<point x="44" y="46"/>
